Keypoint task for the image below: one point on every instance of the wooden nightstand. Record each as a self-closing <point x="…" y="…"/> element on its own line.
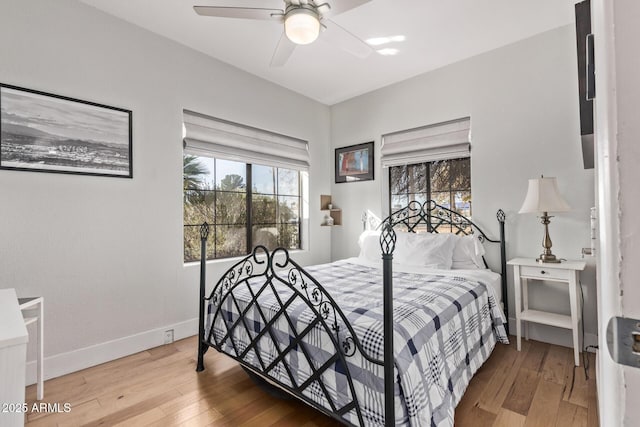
<point x="525" y="269"/>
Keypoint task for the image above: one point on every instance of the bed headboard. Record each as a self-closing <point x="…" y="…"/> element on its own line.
<point x="428" y="216"/>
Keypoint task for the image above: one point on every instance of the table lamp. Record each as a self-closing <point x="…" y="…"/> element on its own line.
<point x="543" y="197"/>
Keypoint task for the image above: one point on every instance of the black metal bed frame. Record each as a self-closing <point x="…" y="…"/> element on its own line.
<point x="280" y="272"/>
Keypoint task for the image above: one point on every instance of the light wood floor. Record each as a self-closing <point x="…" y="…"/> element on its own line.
<point x="160" y="387"/>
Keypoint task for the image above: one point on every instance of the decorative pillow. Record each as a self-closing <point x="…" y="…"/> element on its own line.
<point x="467" y="253"/>
<point x="369" y="242"/>
<point x="431" y="250"/>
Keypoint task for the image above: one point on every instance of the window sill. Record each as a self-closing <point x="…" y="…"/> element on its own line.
<point x="233" y="260"/>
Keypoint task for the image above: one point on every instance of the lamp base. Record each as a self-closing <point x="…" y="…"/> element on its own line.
<point x="548" y="258"/>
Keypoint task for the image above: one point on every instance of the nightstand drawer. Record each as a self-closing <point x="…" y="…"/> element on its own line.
<point x="545" y="273"/>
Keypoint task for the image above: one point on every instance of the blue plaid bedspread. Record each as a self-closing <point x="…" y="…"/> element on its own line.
<point x="445" y="329"/>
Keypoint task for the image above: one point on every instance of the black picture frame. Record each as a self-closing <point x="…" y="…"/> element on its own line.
<point x="45" y="132"/>
<point x="355" y="163"/>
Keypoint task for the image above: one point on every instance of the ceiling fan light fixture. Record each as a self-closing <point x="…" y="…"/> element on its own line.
<point x="302" y="25"/>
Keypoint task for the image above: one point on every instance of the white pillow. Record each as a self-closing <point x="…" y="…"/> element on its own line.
<point x="369" y="242"/>
<point x="467" y="253"/>
<point x="431" y="250"/>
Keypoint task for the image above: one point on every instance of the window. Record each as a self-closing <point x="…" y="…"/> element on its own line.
<point x="246" y="205"/>
<point x="247" y="183"/>
<point x="447" y="182"/>
<point x="430" y="163"/>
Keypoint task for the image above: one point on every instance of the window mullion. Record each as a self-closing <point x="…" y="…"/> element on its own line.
<point x="215" y="210"/>
<point x="452" y="199"/>
<point x="249" y="198"/>
<point x="277" y="202"/>
<point x="299" y="210"/>
<point x="428" y="178"/>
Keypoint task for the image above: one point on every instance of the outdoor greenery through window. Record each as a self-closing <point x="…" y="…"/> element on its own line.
<point x="447" y="182"/>
<point x="245" y="205"/>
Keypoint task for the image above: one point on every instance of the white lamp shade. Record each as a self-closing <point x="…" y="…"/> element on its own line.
<point x="543" y="196"/>
<point x="301" y="26"/>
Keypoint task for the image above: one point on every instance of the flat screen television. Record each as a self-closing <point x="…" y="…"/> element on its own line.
<point x="586" y="87"/>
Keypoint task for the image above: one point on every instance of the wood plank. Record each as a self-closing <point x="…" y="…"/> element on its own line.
<point x="570" y="415"/>
<point x="142" y="419"/>
<point x="175" y="415"/>
<point x="130" y="412"/>
<point x="211" y="417"/>
<point x="271" y="416"/>
<point x="577" y="386"/>
<point x="522" y="391"/>
<point x="545" y="403"/>
<point x="500" y="384"/>
<point x="494" y="363"/>
<point x="305" y="416"/>
<point x="476" y="417"/>
<point x="536" y="356"/>
<point x="57" y="385"/>
<point x="555" y="364"/>
<point x="507" y="418"/>
<point x="471" y="397"/>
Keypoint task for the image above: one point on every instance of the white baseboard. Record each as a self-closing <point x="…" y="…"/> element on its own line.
<point x="553" y="335"/>
<point x="65" y="363"/>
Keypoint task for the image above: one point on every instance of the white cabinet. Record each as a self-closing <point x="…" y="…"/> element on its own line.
<point x="13" y="355"/>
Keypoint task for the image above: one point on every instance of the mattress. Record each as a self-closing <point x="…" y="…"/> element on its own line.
<point x="489" y="277"/>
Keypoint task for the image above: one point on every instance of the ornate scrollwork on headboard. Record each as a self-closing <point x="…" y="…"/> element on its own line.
<point x="434" y="218"/>
<point x="431" y="217"/>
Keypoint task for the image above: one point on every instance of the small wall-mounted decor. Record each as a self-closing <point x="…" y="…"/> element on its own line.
<point x="42" y="132"/>
<point x="354" y="163"/>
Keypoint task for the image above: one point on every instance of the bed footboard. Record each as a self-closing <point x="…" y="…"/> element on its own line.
<point x="251" y="332"/>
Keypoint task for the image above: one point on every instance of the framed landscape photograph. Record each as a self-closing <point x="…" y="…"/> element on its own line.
<point x="42" y="132"/>
<point x="354" y="163"/>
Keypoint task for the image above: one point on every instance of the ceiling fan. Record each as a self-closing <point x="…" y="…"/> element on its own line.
<point x="303" y="20"/>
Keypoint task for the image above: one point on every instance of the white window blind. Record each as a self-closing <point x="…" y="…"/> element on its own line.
<point x="210" y="136"/>
<point x="440" y="141"/>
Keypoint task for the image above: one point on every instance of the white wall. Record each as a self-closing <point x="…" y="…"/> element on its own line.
<point x="106" y="253"/>
<point x="523" y="104"/>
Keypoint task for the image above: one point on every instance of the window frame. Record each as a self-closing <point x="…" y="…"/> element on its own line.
<point x="429" y="193"/>
<point x="248" y="225"/>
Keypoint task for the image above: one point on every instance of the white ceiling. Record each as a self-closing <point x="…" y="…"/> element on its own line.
<point x="438" y="32"/>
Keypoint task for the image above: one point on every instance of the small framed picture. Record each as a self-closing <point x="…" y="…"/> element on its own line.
<point x="43" y="132"/>
<point x="354" y="163"/>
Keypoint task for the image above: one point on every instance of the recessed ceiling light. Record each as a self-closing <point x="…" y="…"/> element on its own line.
<point x="377" y="41"/>
<point x="387" y="51"/>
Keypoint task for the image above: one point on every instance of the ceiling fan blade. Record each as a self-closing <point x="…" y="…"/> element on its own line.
<point x="240" y="12"/>
<point x="343" y="39"/>
<point x="283" y="51"/>
<point x="339" y="6"/>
